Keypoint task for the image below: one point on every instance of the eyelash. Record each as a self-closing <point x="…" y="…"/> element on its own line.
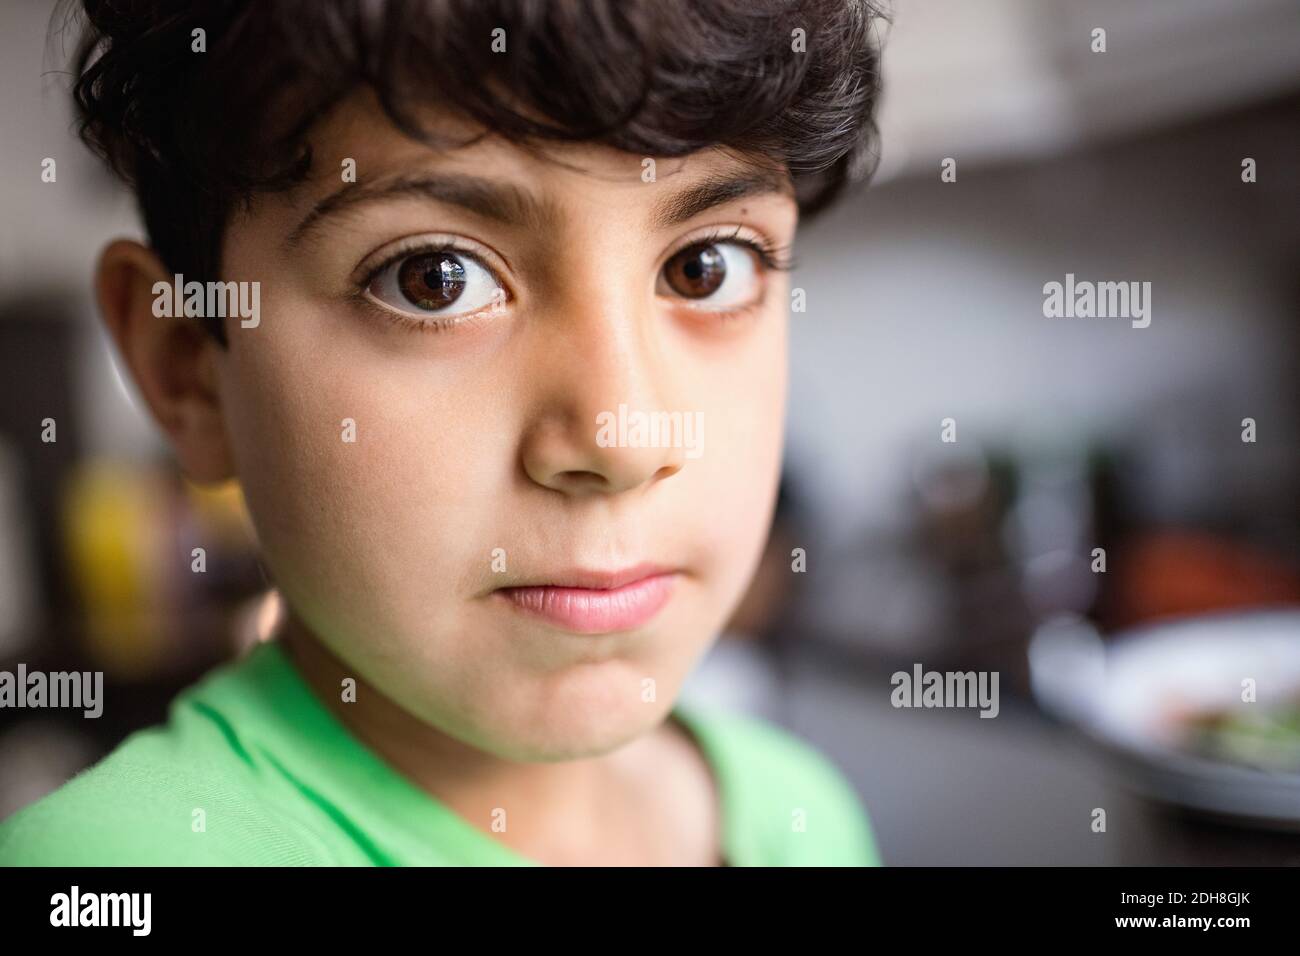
<point x="773" y="257"/>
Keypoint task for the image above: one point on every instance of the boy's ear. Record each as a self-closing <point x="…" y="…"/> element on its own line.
<point x="172" y="358"/>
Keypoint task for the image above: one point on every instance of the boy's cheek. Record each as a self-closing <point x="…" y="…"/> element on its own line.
<point x="731" y="486"/>
<point x="366" y="491"/>
<point x="346" y="470"/>
<point x="741" y="478"/>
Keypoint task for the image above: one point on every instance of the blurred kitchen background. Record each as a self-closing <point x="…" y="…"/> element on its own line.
<point x="924" y="302"/>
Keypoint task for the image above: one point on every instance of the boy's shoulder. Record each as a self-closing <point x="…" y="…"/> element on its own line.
<point x="180" y="793"/>
<point x="784" y="801"/>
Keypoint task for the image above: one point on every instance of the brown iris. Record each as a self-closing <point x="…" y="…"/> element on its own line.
<point x="432" y="280"/>
<point x="697" y="271"/>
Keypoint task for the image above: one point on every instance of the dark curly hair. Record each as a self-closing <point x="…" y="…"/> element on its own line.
<point x="195" y="133"/>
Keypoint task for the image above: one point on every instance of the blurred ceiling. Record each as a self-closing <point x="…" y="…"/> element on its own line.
<point x="1004" y="80"/>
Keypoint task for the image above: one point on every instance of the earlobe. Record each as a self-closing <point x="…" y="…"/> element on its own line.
<point x="170" y="356"/>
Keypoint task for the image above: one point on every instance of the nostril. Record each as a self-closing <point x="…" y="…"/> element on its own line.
<point x="581" y="480"/>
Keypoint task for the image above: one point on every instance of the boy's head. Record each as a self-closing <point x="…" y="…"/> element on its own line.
<point x="522" y="318"/>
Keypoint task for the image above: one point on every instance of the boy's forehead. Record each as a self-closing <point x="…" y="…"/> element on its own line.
<point x="358" y="138"/>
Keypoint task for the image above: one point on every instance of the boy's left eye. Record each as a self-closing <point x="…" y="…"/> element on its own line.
<point x="718" y="275"/>
<point x="442" y="282"/>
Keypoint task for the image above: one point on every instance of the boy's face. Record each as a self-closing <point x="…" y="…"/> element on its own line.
<point x="531" y="296"/>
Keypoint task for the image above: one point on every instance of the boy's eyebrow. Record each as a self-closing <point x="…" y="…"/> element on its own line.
<point x="719" y="189"/>
<point x="503" y="202"/>
<point x="510" y="204"/>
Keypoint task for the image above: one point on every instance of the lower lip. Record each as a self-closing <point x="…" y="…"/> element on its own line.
<point x="592" y="611"/>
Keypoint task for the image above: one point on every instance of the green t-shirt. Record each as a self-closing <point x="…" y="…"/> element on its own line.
<point x="281" y="781"/>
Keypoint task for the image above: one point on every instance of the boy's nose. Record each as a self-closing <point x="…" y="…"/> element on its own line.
<point x="584" y="436"/>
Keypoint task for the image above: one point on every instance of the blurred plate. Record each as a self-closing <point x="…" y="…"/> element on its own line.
<point x="1129" y="693"/>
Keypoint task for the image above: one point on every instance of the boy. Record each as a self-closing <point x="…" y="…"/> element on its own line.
<point x="498" y="360"/>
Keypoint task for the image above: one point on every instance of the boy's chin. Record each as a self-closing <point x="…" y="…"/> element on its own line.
<point x="578" y="734"/>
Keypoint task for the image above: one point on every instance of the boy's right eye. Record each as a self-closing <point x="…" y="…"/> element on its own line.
<point x="435" y="282"/>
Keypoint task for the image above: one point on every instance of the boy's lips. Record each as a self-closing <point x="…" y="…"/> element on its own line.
<point x="596" y="602"/>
